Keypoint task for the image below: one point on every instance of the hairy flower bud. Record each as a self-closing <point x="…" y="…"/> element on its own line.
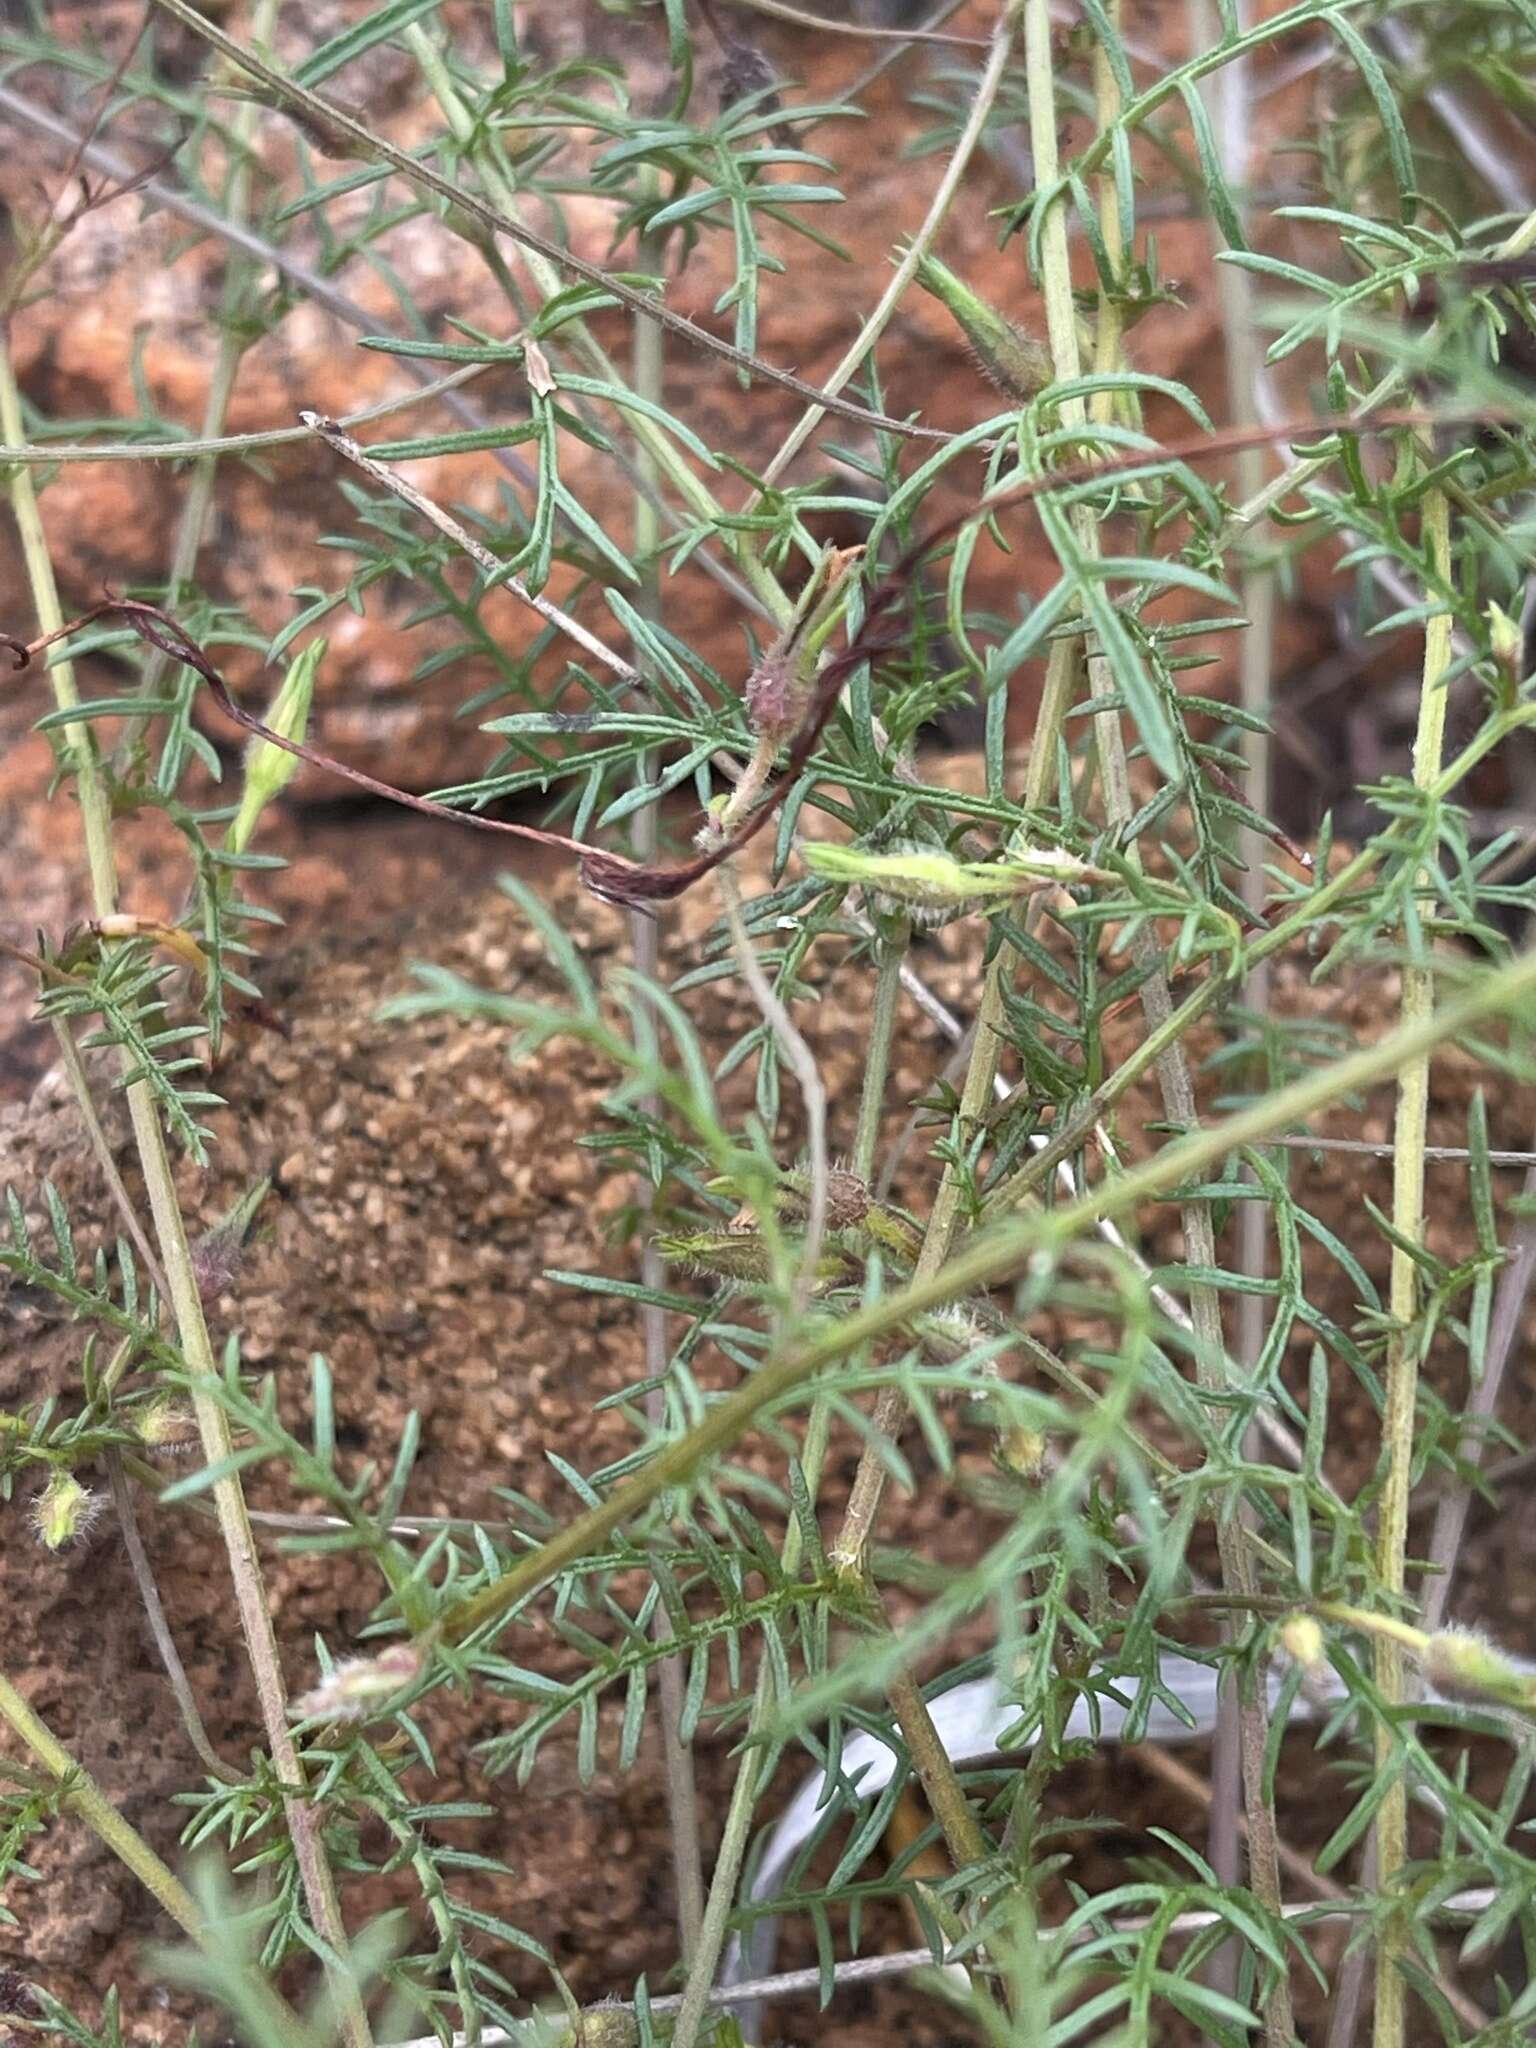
<point x="1302" y="1639"/>
<point x="1018" y="366"/>
<point x="1466" y="1666"/>
<point x="1020" y="1451"/>
<point x="931" y="886"/>
<point x="64" y="1511"/>
<point x="355" y="1688"/>
<point x="165" y="1425"/>
<point x="270" y="769"/>
<point x="778" y="691"/>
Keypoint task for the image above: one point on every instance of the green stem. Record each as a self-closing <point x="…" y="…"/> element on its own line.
<point x="1402" y="1345"/>
<point x="176" y="1258"/>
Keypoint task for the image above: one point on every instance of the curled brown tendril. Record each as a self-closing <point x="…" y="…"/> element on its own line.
<point x="631" y="883"/>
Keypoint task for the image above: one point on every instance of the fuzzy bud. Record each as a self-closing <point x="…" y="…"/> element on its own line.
<point x="847" y="1199"/>
<point x="1018" y="366"/>
<point x="270" y="769"/>
<point x="741" y="1254"/>
<point x="1302" y="1639"/>
<point x="217" y="1257"/>
<point x="931" y="886"/>
<point x="602" y="2026"/>
<point x="355" y="1688"/>
<point x="1466" y="1666"/>
<point x="165" y="1425"/>
<point x="1020" y="1451"/>
<point x="64" y="1511"/>
<point x="778" y="691"/>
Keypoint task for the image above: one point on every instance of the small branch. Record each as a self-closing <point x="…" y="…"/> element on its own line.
<point x="400" y="487"/>
<point x="1508" y="1314"/>
<point x="159" y="1627"/>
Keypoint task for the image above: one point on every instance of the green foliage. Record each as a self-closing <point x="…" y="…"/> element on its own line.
<point x="1140" y="1406"/>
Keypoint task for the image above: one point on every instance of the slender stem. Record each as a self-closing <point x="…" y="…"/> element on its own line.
<point x="1403" y="1300"/>
<point x="987" y="89"/>
<point x="891" y="954"/>
<point x="801" y="1061"/>
<point x="181" y="1283"/>
<point x="1508" y="1316"/>
<point x="648" y="365"/>
<point x="85" y="1102"/>
<point x="159" y="1627"/>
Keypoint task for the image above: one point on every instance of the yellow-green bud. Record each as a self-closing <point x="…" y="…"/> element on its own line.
<point x="743" y="1255"/>
<point x="602" y="2026"/>
<point x="270" y="769"/>
<point x="1018" y="366"/>
<point x="1467" y="1666"/>
<point x="1504" y="638"/>
<point x="931" y="885"/>
<point x="165" y="1424"/>
<point x="1302" y="1639"/>
<point x="1020" y="1451"/>
<point x="63" y="1511"/>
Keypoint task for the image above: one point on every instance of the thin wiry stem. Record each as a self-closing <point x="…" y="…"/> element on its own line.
<point x="801" y="1062"/>
<point x="890" y="959"/>
<point x="400" y="487"/>
<point x="987" y="89"/>
<point x="1398" y="1420"/>
<point x="1509" y="1301"/>
<point x="647" y="363"/>
<point x="1227" y="97"/>
<point x="159" y="1627"/>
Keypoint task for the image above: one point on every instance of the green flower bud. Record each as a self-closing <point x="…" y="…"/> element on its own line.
<point x="602" y="2026"/>
<point x="269" y="769"/>
<point x="1468" y="1667"/>
<point x="932" y="886"/>
<point x="1018" y="366"/>
<point x="1302" y="1639"/>
<point x="743" y="1255"/>
<point x="64" y="1511"/>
